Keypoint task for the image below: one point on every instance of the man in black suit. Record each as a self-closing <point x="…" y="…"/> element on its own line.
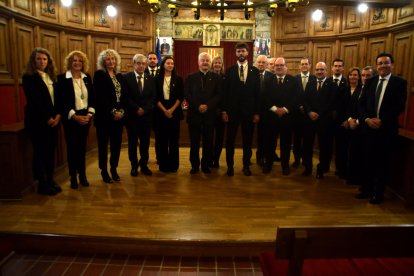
<point x="343" y="97"/>
<point x="261" y="64"/>
<point x="241" y="106"/>
<point x="140" y="104"/>
<point x="299" y="116"/>
<point x="382" y="101"/>
<point x="203" y="92"/>
<point x="318" y="105"/>
<point x="280" y="99"/>
<point x="152" y="68"/>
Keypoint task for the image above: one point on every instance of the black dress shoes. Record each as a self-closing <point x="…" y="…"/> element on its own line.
<point x="55" y="186"/>
<point x="205" y="170"/>
<point x="376" y="199"/>
<point x="105" y="177"/>
<point x="194" y="170"/>
<point x="83" y="181"/>
<point x="145" y="170"/>
<point x="73" y="182"/>
<point x="115" y="175"/>
<point x="134" y="172"/>
<point x="46" y="190"/>
<point x="246" y="171"/>
<point x="215" y="165"/>
<point x="230" y="171"/>
<point x="362" y="195"/>
<point x="295" y="164"/>
<point x="285" y="171"/>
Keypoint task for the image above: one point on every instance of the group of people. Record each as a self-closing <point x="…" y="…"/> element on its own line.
<point x="360" y="113"/>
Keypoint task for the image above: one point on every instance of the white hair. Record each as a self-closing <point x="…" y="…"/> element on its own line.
<point x="139" y="58"/>
<point x="100" y="65"/>
<point x="203" y="54"/>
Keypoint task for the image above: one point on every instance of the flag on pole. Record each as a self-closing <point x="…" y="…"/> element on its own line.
<point x="157" y="51"/>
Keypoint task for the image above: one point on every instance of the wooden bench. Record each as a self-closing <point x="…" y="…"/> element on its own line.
<point x="341" y="250"/>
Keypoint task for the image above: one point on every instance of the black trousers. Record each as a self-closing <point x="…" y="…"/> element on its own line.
<point x="298" y="134"/>
<point x="109" y="133"/>
<point x="167" y="133"/>
<point x="218" y="138"/>
<point x="356" y="157"/>
<point x="44" y="146"/>
<point x="197" y="132"/>
<point x="324" y="130"/>
<point x="273" y="130"/>
<point x="342" y="141"/>
<point x="138" y="129"/>
<point x="247" y="127"/>
<point x="76" y="136"/>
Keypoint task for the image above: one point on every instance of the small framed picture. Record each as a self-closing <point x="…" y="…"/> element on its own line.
<point x="166" y="44"/>
<point x="211" y="35"/>
<point x="262" y="46"/>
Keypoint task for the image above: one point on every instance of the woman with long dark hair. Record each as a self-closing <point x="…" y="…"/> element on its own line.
<point x="75" y="86"/>
<point x="110" y="89"/>
<point x="42" y="115"/>
<point x="168" y="113"/>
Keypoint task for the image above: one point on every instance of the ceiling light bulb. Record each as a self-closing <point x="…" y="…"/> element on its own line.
<point x="362" y="7"/>
<point x="317" y="15"/>
<point x="111" y="10"/>
<point x="66" y="3"/>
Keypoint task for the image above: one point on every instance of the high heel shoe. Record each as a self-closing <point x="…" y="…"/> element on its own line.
<point x="105" y="177"/>
<point x="115" y="175"/>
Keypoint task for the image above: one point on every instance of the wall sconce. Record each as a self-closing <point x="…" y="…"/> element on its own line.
<point x="173" y="10"/>
<point x="271" y="10"/>
<point x="154" y="6"/>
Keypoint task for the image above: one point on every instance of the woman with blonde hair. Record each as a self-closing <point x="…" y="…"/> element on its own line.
<point x="110" y="89"/>
<point x="76" y="89"/>
<point x="42" y="115"/>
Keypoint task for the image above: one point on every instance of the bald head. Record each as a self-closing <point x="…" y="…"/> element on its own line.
<point x="280" y="67"/>
<point x="320" y="70"/>
<point x="261" y="63"/>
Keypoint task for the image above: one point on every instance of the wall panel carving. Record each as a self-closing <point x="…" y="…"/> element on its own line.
<point x="100" y="44"/>
<point x="375" y="46"/>
<point x="133" y="21"/>
<point x="25" y="40"/>
<point x="380" y="17"/>
<point x="101" y="21"/>
<point x="49" y="10"/>
<point x="5" y="69"/>
<point x="405" y="13"/>
<point x="24" y="6"/>
<point x="292" y="25"/>
<point x="75" y="42"/>
<point x="75" y="15"/>
<point x="350" y="53"/>
<point x="127" y="49"/>
<point x="50" y="41"/>
<point x="323" y="52"/>
<point x="353" y="21"/>
<point x="326" y="26"/>
<point x="293" y="54"/>
<point x="404" y="56"/>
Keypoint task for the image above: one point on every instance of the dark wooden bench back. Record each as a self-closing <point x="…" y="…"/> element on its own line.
<point x="300" y="243"/>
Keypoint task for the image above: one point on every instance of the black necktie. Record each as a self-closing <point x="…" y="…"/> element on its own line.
<point x="337" y="82"/>
<point x="139" y="84"/>
<point x="378" y="95"/>
<point x="241" y="73"/>
<point x="279" y="81"/>
<point x="153" y="73"/>
<point x="319" y="85"/>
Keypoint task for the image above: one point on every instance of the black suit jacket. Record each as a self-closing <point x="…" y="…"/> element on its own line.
<point x="148" y="72"/>
<point x="65" y="87"/>
<point x="342" y="98"/>
<point x="393" y="102"/>
<point x="134" y="100"/>
<point x="176" y="93"/>
<point x="106" y="97"/>
<point x="353" y="108"/>
<point x="39" y="106"/>
<point x="322" y="101"/>
<point x="283" y="95"/>
<point x="242" y="97"/>
<point x="299" y="78"/>
<point x="198" y="92"/>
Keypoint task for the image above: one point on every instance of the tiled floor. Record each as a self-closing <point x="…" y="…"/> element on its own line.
<point x="102" y="264"/>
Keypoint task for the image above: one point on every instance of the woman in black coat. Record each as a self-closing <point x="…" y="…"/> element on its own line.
<point x="110" y="91"/>
<point x="75" y="87"/>
<point x="168" y="113"/>
<point x="42" y="115"/>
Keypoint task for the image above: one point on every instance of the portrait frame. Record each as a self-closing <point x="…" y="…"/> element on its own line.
<point x="211" y="34"/>
<point x="262" y="46"/>
<point x="166" y="45"/>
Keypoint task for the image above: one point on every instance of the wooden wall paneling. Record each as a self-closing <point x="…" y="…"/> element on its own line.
<point x="292" y="25"/>
<point x="50" y="40"/>
<point x="293" y="54"/>
<point x="405" y="14"/>
<point x="75" y="15"/>
<point x="101" y="21"/>
<point x="23" y="6"/>
<point x="49" y="11"/>
<point x="25" y="40"/>
<point x="134" y="22"/>
<point x="380" y="18"/>
<point x="352" y="20"/>
<point x="75" y="42"/>
<point x="5" y="65"/>
<point x="100" y="44"/>
<point x="128" y="48"/>
<point x="323" y="51"/>
<point x="350" y="53"/>
<point x="375" y="46"/>
<point x="327" y="25"/>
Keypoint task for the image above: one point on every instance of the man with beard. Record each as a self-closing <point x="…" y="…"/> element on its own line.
<point x="241" y="106"/>
<point x="152" y="68"/>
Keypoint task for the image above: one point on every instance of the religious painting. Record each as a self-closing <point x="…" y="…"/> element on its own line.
<point x="188" y="30"/>
<point x="212" y="51"/>
<point x="165" y="45"/>
<point x="237" y="32"/>
<point x="262" y="46"/>
<point x="211" y="35"/>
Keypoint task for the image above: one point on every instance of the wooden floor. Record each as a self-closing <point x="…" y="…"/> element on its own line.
<point x="180" y="206"/>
